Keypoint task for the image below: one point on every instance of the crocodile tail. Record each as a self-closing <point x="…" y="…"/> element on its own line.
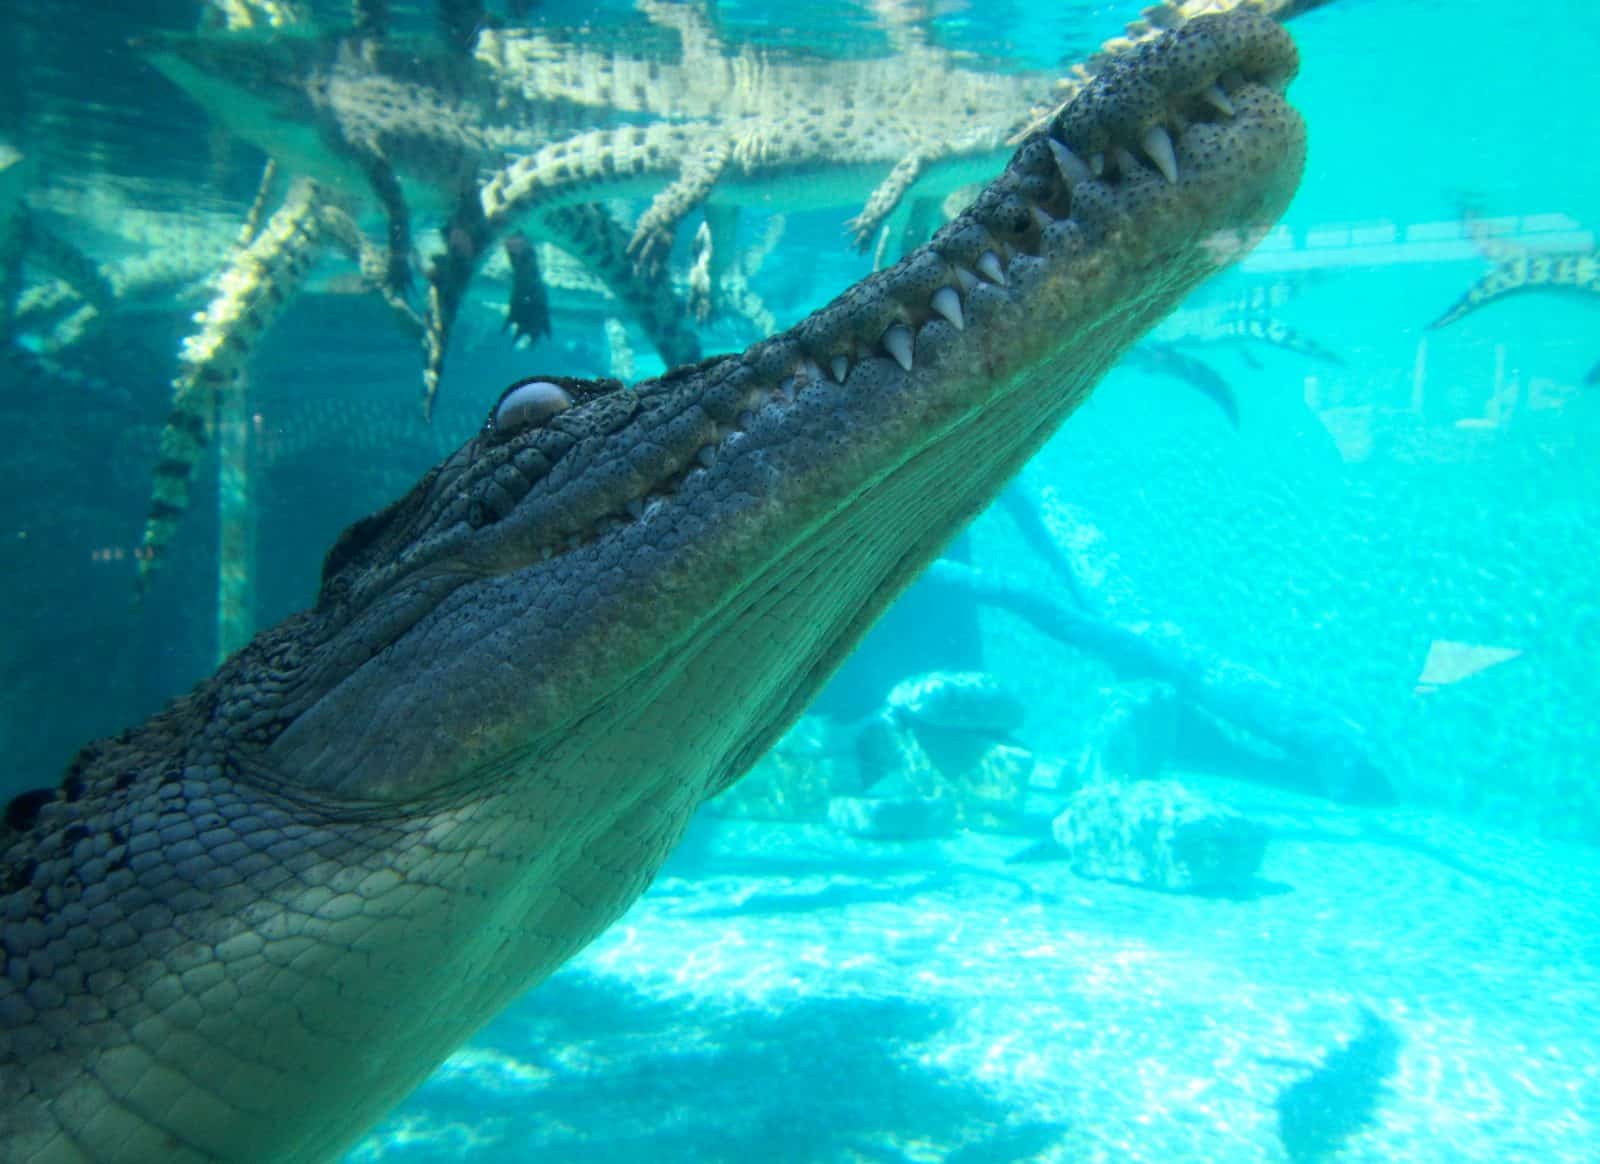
<point x="252" y="288"/>
<point x="589" y="234"/>
<point x="1276" y="333"/>
<point x="1165" y="359"/>
<point x="1506" y="277"/>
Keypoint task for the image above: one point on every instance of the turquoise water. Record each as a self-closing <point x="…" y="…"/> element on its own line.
<point x="1388" y="555"/>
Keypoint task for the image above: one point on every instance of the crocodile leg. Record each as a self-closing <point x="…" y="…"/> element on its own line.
<point x="386" y="185"/>
<point x="658" y="225"/>
<point x="692" y="24"/>
<point x="590" y="234"/>
<point x="716" y="246"/>
<point x="466" y="237"/>
<point x="865" y="226"/>
<point x="528" y="310"/>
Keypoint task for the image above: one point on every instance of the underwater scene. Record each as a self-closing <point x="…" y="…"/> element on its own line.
<point x="884" y="581"/>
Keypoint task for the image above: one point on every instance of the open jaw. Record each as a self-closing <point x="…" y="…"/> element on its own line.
<point x="247" y="928"/>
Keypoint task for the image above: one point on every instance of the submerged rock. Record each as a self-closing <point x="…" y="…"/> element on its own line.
<point x="946" y="735"/>
<point x="1134" y="737"/>
<point x="1160" y="835"/>
<point x="898" y="811"/>
<point x="792" y="782"/>
<point x="963" y="701"/>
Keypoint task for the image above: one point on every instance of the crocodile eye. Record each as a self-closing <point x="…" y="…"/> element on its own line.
<point x="526" y="404"/>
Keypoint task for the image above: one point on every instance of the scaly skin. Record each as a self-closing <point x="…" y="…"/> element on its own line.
<point x="1154" y="21"/>
<point x="246" y="928"/>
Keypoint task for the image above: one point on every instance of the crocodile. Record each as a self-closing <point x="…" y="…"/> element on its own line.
<point x="246" y="928"/>
<point x="1515" y="268"/>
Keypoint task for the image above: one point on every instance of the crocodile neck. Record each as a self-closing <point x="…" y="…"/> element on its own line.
<point x="246" y="928"/>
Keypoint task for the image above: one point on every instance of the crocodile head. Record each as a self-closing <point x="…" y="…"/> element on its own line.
<point x="251" y="925"/>
<point x="690" y="557"/>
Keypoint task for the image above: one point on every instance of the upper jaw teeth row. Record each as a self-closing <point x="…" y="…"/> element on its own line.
<point x="1155" y="142"/>
<point x="898" y="340"/>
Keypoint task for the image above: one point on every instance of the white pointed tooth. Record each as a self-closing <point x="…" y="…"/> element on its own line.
<point x="1072" y="167"/>
<point x="966" y="278"/>
<point x="786" y="389"/>
<point x="897" y="342"/>
<point x="1218" y="100"/>
<point x="1158" y="144"/>
<point x="1127" y="164"/>
<point x="947" y="302"/>
<point x="1097" y="164"/>
<point x="989" y="267"/>
<point x="1041" y="217"/>
<point x="840" y="366"/>
<point x="812" y="370"/>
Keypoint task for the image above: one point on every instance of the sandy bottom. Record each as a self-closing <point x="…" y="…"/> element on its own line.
<point x="1394" y="987"/>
